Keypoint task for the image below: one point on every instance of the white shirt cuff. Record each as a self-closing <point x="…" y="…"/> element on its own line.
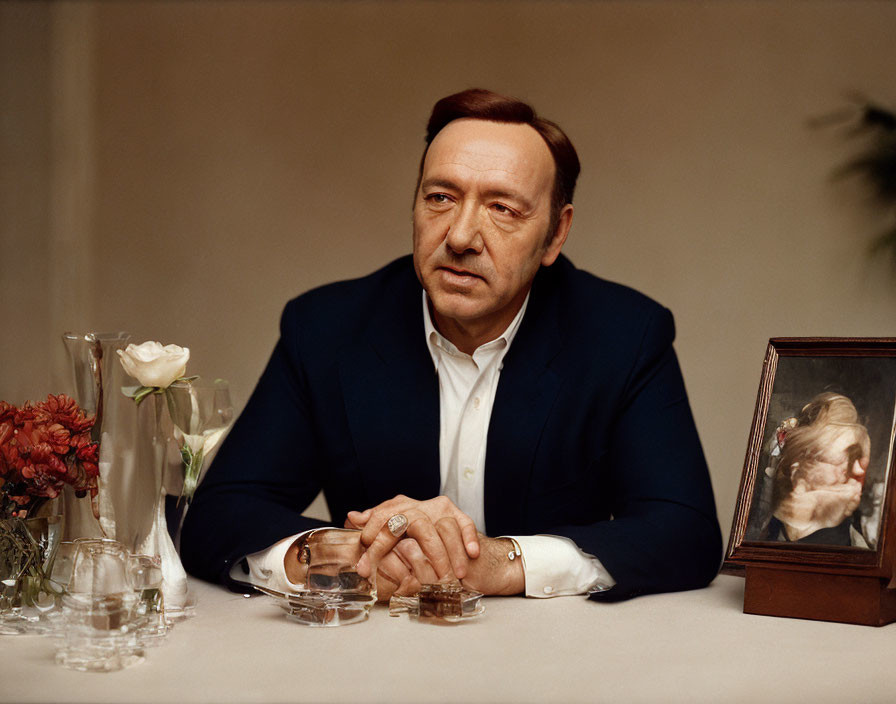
<point x="266" y="567"/>
<point x="556" y="566"/>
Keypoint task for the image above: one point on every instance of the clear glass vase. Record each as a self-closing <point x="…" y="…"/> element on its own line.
<point x="134" y="444"/>
<point x="157" y="431"/>
<point x="27" y="593"/>
<point x="97" y="378"/>
<point x="201" y="414"/>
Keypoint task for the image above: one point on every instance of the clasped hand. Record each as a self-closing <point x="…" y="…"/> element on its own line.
<point x="807" y="510"/>
<point x="440" y="543"/>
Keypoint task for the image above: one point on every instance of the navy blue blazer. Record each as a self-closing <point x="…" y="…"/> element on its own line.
<point x="591" y="434"/>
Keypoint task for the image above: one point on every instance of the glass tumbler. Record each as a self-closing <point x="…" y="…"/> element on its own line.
<point x="99" y="565"/>
<point x="331" y="591"/>
<point x="100" y="616"/>
<point x="146" y="578"/>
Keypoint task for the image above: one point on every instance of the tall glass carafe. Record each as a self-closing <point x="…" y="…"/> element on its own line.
<point x="97" y="379"/>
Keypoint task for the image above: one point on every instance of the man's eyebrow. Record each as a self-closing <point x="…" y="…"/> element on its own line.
<point x="440" y="183"/>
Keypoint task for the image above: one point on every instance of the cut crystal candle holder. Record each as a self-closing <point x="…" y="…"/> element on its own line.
<point x="444" y="601"/>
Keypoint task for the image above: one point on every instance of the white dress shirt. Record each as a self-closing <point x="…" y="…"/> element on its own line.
<point x="553" y="565"/>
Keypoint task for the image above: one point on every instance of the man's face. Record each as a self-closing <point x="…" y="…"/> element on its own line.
<point x="481" y="218"/>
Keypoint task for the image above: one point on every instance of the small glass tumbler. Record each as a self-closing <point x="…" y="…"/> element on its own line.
<point x="100" y="616"/>
<point x="331" y="592"/>
<point x="62" y="565"/>
<point x="60" y="576"/>
<point x="146" y="578"/>
<point x="99" y="566"/>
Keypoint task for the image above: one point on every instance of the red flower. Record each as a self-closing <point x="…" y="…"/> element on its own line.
<point x="6" y="430"/>
<point x="63" y="409"/>
<point x="89" y="457"/>
<point x="44" y="473"/>
<point x="44" y="455"/>
<point x="57" y="436"/>
<point x="11" y="457"/>
<point x="88" y="453"/>
<point x="25" y="413"/>
<point x="7" y="411"/>
<point x="26" y="436"/>
<point x="43" y="447"/>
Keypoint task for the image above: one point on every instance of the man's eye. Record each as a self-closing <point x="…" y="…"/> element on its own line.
<point x="437" y="199"/>
<point x="502" y="209"/>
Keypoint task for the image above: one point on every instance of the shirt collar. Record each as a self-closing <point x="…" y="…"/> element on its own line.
<point x="437" y="343"/>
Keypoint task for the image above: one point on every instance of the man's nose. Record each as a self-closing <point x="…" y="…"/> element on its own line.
<point x="465" y="232"/>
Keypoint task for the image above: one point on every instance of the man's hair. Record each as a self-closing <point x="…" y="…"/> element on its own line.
<point x="481" y="104"/>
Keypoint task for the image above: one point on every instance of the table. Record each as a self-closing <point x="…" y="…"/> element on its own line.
<point x="685" y="647"/>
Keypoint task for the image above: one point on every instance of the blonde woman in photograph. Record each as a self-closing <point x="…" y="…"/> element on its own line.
<point x="819" y="477"/>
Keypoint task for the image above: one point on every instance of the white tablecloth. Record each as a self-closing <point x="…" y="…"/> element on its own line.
<point x="687" y="647"/>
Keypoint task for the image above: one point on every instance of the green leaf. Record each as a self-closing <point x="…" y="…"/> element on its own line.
<point x="143" y="392"/>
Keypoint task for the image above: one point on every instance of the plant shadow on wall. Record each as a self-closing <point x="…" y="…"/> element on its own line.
<point x="875" y="164"/>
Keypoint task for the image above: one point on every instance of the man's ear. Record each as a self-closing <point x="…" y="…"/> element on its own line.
<point x="555" y="243"/>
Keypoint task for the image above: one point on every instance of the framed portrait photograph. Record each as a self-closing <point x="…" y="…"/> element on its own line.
<point x="816" y="489"/>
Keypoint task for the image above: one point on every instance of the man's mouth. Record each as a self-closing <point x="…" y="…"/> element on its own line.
<point x="463" y="273"/>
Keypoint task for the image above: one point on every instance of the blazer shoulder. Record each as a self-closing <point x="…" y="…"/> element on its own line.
<point x="591" y="302"/>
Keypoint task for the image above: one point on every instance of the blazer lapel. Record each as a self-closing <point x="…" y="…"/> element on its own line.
<point x="391" y="395"/>
<point x="527" y="389"/>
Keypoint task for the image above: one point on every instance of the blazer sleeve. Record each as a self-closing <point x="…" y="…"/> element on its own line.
<point x="664" y="534"/>
<point x="263" y="476"/>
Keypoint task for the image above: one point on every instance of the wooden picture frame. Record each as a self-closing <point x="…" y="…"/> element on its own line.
<point x="814" y="530"/>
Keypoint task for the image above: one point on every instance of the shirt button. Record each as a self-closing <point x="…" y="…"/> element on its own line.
<point x="476" y="402"/>
<point x="468" y="473"/>
<point x="548" y="590"/>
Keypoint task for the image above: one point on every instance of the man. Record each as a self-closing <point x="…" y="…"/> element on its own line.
<point x="545" y="405"/>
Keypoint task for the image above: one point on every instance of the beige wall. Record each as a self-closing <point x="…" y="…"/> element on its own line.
<point x="25" y="335"/>
<point x="233" y="155"/>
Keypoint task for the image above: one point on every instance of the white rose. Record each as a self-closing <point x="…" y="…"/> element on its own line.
<point x="154" y="365"/>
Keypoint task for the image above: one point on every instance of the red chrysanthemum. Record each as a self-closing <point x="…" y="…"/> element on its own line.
<point x="7" y="411"/>
<point x="25" y="435"/>
<point x="7" y="428"/>
<point x="57" y="436"/>
<point x="44" y="472"/>
<point x="25" y="413"/>
<point x="43" y="447"/>
<point x="11" y="457"/>
<point x="88" y="453"/>
<point x="63" y="409"/>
